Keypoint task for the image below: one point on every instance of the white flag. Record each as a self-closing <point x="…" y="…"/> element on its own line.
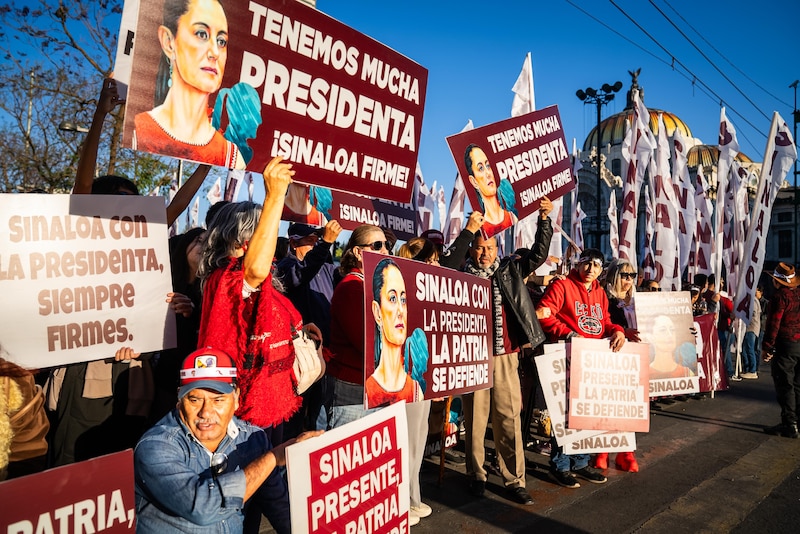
<point x="455" y="213"/>
<point x="684" y="193"/>
<point x="215" y="193"/>
<point x="193" y="223"/>
<point x="233" y="184"/>
<point x="701" y="262"/>
<point x="728" y="148"/>
<point x="422" y="202"/>
<point x="524" y="100"/>
<point x="648" y="261"/>
<point x="613" y="229"/>
<point x="779" y="157"/>
<point x="441" y="206"/>
<point x="666" y="216"/>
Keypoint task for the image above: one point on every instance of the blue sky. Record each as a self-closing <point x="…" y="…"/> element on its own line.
<point x="474" y="52"/>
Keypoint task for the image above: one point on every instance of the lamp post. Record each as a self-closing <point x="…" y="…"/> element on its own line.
<point x="598" y="97"/>
<point x="68" y="126"/>
<point x="796" y="116"/>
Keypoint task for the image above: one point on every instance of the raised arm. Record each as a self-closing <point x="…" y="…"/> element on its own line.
<point x="109" y="99"/>
<point x="257" y="263"/>
<point x="186" y="193"/>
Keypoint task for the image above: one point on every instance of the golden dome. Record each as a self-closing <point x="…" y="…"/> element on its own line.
<point x="612" y="129"/>
<point x="709" y="155"/>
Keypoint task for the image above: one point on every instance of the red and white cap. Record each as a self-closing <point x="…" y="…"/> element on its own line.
<point x="207" y="368"/>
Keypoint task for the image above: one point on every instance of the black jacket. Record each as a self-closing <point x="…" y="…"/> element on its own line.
<point x="510" y="276"/>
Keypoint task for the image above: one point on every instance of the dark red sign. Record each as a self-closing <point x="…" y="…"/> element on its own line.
<point x="427" y="332"/>
<point x="92" y="496"/>
<point x="278" y="78"/>
<point x="512" y="165"/>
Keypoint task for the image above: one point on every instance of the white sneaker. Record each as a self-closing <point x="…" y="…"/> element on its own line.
<point x="423" y="510"/>
<point x="412" y="520"/>
<point x="749" y="376"/>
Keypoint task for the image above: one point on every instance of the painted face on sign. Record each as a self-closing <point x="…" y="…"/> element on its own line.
<point x="481" y="174"/>
<point x="664" y="334"/>
<point x="483" y="251"/>
<point x="200" y="46"/>
<point x="392" y="312"/>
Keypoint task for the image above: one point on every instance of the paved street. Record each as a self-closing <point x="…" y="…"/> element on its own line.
<point x="706" y="466"/>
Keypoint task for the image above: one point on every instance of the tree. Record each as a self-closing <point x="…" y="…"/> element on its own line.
<point x="74" y="44"/>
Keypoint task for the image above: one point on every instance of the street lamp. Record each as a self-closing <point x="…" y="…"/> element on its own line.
<point x="598" y="97"/>
<point x="67" y="126"/>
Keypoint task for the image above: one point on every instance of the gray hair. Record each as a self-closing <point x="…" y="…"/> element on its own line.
<point x="614" y="281"/>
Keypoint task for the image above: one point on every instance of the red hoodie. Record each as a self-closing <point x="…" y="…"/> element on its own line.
<point x="573" y="308"/>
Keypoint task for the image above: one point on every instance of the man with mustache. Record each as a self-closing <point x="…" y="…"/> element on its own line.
<point x="198" y="467"/>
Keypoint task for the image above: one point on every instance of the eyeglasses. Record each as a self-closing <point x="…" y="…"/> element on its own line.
<point x="627" y="276"/>
<point x="377" y="245"/>
<point x="651" y="288"/>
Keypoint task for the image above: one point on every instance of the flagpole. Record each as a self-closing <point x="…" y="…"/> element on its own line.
<point x="794" y="196"/>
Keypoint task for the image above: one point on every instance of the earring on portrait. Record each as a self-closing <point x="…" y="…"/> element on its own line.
<point x="169" y="80"/>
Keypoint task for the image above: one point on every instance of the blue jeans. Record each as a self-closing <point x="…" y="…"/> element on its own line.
<point x="750" y="363"/>
<point x="348" y="404"/>
<point x="560" y="461"/>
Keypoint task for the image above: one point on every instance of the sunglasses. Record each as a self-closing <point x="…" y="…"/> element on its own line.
<point x="654" y="289"/>
<point x="627" y="276"/>
<point x="377" y="245"/>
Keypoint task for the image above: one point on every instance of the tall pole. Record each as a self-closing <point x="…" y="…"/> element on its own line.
<point x="794" y="196"/>
<point x="601" y="96"/>
<point x="598" y="223"/>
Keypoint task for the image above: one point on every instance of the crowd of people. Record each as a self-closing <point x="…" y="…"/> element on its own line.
<point x="210" y="439"/>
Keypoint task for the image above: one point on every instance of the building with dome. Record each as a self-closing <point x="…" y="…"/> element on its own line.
<point x="611" y="134"/>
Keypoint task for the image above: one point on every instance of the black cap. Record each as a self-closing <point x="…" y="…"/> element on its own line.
<point x="300" y="230"/>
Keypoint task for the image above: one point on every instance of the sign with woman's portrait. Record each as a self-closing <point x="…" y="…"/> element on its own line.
<point x="665" y="322"/>
<point x="236" y="83"/>
<point x="509" y="166"/>
<point x="427" y="331"/>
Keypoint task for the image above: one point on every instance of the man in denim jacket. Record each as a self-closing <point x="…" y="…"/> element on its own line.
<point x="199" y="465"/>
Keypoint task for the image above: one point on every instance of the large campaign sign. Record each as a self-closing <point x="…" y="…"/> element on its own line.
<point x="609" y="390"/>
<point x="352" y="478"/>
<point x="236" y="83"/>
<point x="665" y="322"/>
<point x="508" y="166"/>
<point x="82" y="276"/>
<point x="554" y="374"/>
<point x="427" y="331"/>
<point x="92" y="496"/>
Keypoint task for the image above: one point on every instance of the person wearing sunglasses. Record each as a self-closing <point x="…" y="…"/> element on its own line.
<point x="346" y="364"/>
<point x="620" y="289"/>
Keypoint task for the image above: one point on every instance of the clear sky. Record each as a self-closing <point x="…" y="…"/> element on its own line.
<point x="474" y="52"/>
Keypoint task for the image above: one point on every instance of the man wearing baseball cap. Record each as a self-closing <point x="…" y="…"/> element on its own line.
<point x="197" y="468"/>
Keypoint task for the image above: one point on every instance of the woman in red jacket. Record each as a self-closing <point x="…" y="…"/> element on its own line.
<point x="347" y="326"/>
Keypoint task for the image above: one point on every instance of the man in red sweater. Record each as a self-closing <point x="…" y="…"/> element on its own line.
<point x="578" y="307"/>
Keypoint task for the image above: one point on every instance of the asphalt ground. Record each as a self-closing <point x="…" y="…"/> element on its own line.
<point x="705" y="466"/>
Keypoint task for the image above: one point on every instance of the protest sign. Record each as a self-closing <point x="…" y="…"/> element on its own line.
<point x="92" y="496"/>
<point x="512" y="165"/>
<point x="82" y="276"/>
<point x="352" y="478"/>
<point x="427" y="331"/>
<point x="278" y="78"/>
<point x="316" y="206"/>
<point x="608" y="390"/>
<point x="553" y="369"/>
<point x="665" y="322"/>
